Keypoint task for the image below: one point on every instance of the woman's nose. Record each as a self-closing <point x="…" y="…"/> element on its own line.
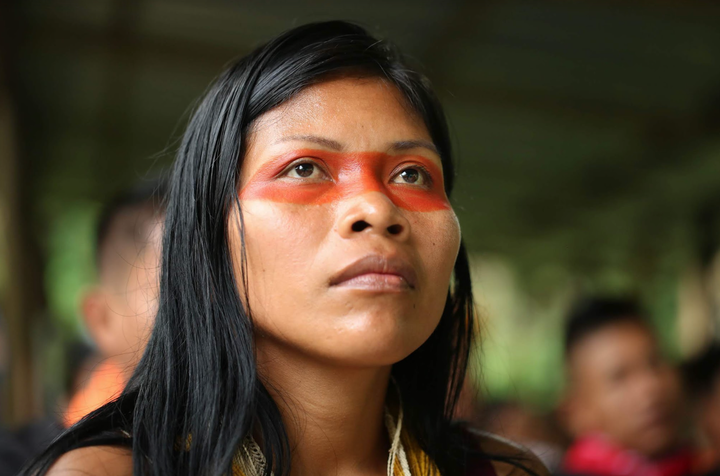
<point x="373" y="212"/>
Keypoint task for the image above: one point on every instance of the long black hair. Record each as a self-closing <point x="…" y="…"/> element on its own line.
<point x="196" y="392"/>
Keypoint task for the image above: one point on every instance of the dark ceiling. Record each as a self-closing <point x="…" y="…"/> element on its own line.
<point x="588" y="133"/>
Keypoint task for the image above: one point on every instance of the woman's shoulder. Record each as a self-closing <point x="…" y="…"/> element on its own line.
<point x="94" y="460"/>
<point x="507" y="458"/>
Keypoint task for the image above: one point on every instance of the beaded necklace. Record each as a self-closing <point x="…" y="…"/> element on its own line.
<point x="406" y="458"/>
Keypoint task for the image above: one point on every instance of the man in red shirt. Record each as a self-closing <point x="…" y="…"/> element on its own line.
<point x="623" y="399"/>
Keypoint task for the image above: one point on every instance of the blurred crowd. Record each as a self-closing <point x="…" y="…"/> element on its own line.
<point x="626" y="408"/>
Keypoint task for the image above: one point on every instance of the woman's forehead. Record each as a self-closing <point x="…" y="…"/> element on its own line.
<point x="350" y="114"/>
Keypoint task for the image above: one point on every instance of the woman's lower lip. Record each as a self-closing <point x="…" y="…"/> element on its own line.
<point x="376" y="282"/>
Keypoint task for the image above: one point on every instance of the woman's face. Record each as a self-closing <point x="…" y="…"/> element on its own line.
<point x="350" y="238"/>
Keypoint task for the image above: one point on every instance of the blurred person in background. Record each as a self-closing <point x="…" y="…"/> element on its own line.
<point x="623" y="402"/>
<point x="119" y="310"/>
<point x="514" y="421"/>
<point x="701" y="376"/>
<point x="540" y="433"/>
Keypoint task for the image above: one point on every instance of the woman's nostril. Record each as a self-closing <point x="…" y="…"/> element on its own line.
<point x="394" y="229"/>
<point x="360" y="225"/>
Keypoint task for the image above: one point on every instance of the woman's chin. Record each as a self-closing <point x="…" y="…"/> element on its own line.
<point x="361" y="337"/>
<point x="370" y="355"/>
<point x="371" y="347"/>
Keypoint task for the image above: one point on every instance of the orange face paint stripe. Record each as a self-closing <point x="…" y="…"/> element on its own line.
<point x="351" y="174"/>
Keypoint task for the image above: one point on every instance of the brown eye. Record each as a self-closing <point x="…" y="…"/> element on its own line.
<point x="411" y="176"/>
<point x="304" y="170"/>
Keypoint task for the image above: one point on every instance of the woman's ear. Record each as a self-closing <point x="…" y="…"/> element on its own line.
<point x="96" y="316"/>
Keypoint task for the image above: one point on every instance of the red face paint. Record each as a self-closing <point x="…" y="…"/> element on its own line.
<point x="348" y="175"/>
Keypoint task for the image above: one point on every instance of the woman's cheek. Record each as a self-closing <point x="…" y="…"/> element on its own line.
<point x="282" y="241"/>
<point x="438" y="234"/>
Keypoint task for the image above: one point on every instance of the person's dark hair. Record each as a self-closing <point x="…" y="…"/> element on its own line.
<point x="593" y="314"/>
<point x="146" y="194"/>
<point x="198" y="376"/>
<point x="700" y="373"/>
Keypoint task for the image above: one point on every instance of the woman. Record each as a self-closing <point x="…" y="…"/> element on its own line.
<point x="315" y="307"/>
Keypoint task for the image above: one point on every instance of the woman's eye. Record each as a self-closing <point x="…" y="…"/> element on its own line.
<point x="304" y="170"/>
<point x="412" y="176"/>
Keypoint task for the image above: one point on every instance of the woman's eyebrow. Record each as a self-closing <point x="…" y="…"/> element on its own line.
<point x="397" y="146"/>
<point x="329" y="143"/>
<point x="413" y="144"/>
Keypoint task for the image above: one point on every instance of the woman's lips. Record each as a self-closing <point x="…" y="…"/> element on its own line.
<point x="377" y="273"/>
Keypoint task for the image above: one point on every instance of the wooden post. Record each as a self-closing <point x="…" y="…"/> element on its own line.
<point x="21" y="299"/>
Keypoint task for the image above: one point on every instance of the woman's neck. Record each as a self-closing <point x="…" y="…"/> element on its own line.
<point x="333" y="415"/>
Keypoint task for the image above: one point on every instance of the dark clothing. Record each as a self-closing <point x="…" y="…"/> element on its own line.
<point x="481" y="467"/>
<point x="12" y="454"/>
<point x="18" y="447"/>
